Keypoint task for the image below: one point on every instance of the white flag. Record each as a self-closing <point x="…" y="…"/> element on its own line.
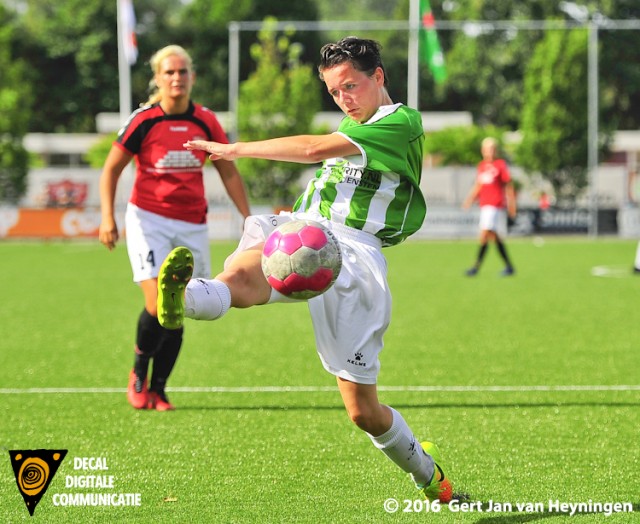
<point x="128" y="20"/>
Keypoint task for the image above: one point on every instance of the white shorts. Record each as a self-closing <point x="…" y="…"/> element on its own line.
<point x="151" y="237"/>
<point x="493" y="219"/>
<point x="349" y="319"/>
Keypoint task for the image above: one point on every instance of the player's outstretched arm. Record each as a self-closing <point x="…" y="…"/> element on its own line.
<point x="304" y="149"/>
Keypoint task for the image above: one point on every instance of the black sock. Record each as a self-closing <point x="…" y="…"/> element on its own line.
<point x="503" y="253"/>
<point x="165" y="358"/>
<point x="481" y="252"/>
<point x="148" y="339"/>
<point x="141" y="364"/>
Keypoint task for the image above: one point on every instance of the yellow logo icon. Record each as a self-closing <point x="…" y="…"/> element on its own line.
<point x="34" y="470"/>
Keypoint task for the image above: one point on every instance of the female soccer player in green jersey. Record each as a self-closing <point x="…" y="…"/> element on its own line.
<point x="367" y="192"/>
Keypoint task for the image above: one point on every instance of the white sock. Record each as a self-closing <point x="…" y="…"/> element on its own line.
<point x="637" y="261"/>
<point x="206" y="299"/>
<point x="401" y="446"/>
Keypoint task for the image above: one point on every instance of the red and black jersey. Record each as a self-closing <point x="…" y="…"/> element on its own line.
<point x="169" y="179"/>
<point x="493" y="177"/>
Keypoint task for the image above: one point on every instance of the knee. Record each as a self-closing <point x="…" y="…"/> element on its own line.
<point x="247" y="284"/>
<point x="365" y="419"/>
<point x="237" y="278"/>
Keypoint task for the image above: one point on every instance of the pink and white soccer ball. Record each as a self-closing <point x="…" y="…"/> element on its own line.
<point x="301" y="259"/>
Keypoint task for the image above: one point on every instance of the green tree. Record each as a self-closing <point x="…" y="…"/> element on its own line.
<point x="486" y="66"/>
<point x="15" y="105"/>
<point x="98" y="152"/>
<point x="554" y="120"/>
<point x="280" y="98"/>
<point x="460" y="145"/>
<point x="204" y="32"/>
<point x="72" y="73"/>
<point x="71" y="47"/>
<point x="619" y="56"/>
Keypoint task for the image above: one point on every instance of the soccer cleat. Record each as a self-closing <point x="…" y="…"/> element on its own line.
<point x="507" y="272"/>
<point x="158" y="400"/>
<point x="137" y="392"/>
<point x="439" y="487"/>
<point x="173" y="277"/>
<point x="471" y="272"/>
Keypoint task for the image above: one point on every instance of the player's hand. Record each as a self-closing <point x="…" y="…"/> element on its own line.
<point x="216" y="150"/>
<point x="108" y="234"/>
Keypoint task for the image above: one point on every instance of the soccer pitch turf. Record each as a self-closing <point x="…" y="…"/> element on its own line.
<point x="530" y="386"/>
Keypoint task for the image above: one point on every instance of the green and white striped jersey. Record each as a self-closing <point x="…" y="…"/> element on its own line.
<point x="377" y="191"/>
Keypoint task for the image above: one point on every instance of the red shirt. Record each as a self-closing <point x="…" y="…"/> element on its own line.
<point x="169" y="179"/>
<point x="493" y="177"/>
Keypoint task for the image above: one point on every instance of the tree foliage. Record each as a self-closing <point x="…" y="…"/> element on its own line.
<point x="75" y="64"/>
<point x="280" y="98"/>
<point x="98" y="152"/>
<point x="205" y="32"/>
<point x="485" y="64"/>
<point x="70" y="47"/>
<point x="460" y="145"/>
<point x="554" y="120"/>
<point x="72" y="62"/>
<point x="15" y="100"/>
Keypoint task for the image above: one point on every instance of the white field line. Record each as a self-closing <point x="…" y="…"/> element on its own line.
<point x="322" y="389"/>
<point x="612" y="271"/>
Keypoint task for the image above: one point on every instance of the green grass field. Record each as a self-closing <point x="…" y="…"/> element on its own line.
<point x="530" y="385"/>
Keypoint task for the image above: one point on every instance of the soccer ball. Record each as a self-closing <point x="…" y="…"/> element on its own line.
<point x="301" y="259"/>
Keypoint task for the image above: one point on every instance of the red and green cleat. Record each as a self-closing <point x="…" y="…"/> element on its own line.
<point x="174" y="275"/>
<point x="439" y="488"/>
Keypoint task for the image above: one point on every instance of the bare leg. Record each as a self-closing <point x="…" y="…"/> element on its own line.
<point x="245" y="279"/>
<point x="364" y="408"/>
<point x="387" y="430"/>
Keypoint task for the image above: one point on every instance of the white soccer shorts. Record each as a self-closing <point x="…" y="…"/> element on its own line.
<point x="350" y="318"/>
<point x="151" y="237"/>
<point x="493" y="219"/>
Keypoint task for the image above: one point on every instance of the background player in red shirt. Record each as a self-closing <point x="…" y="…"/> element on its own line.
<point x="167" y="207"/>
<point x="494" y="191"/>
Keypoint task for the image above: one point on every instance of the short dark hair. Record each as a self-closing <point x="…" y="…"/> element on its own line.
<point x="363" y="54"/>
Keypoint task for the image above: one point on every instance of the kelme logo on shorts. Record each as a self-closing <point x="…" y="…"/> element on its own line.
<point x="34" y="469"/>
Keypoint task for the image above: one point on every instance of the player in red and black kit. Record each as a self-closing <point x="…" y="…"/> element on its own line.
<point x="495" y="193"/>
<point x="167" y="207"/>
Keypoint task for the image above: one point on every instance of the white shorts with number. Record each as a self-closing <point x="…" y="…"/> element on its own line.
<point x="349" y="319"/>
<point x="493" y="219"/>
<point x="151" y="237"/>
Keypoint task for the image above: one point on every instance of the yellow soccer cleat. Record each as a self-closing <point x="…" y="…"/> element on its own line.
<point x="173" y="278"/>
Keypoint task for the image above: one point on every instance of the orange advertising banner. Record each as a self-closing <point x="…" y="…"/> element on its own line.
<point x="49" y="223"/>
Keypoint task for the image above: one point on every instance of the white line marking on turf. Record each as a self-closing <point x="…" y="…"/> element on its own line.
<point x="321" y="389"/>
<point x="611" y="271"/>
